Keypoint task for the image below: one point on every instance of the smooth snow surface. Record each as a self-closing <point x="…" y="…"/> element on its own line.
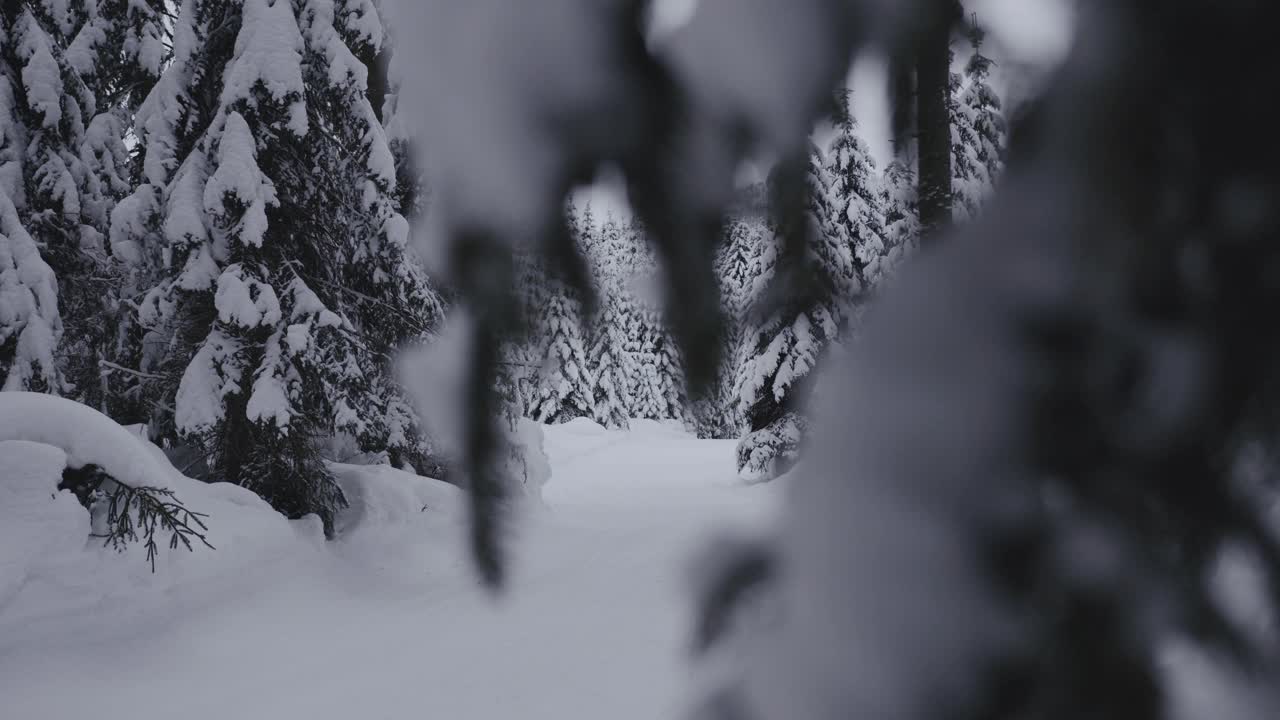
<point x="386" y="622"/>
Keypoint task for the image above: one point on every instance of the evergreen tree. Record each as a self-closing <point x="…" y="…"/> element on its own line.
<point x="635" y="263"/>
<point x="665" y="374"/>
<point x="284" y="284"/>
<point x="983" y="108"/>
<point x="827" y="235"/>
<point x="64" y="165"/>
<point x="739" y="268"/>
<point x="965" y="174"/>
<point x="610" y="367"/>
<point x="901" y="215"/>
<point x="719" y="415"/>
<point x="385" y="292"/>
<point x="657" y="387"/>
<point x="565" y="381"/>
<point x="29" y="322"/>
<point x="855" y="200"/>
<point x="789" y="335"/>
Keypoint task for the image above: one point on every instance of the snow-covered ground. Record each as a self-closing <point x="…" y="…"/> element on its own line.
<point x="385" y="622"/>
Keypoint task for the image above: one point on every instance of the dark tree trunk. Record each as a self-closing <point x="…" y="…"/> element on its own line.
<point x="902" y="99"/>
<point x="933" y="121"/>
<point x="379" y="80"/>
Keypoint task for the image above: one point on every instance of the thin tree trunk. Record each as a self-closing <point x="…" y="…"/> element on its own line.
<point x="933" y="119"/>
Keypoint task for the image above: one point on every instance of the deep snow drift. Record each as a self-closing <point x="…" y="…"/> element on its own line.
<point x="386" y="621"/>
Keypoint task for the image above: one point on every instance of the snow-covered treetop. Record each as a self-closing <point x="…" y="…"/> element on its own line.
<point x="268" y="54"/>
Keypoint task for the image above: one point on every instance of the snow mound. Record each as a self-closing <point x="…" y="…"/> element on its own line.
<point x="38" y="523"/>
<point x="381" y="497"/>
<point x="582" y="426"/>
<point x="86" y="436"/>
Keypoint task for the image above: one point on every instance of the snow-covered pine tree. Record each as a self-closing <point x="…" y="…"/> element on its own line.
<point x="982" y="106"/>
<point x="118" y="51"/>
<point x="666" y="373"/>
<point x="657" y="387"/>
<point x="828" y="236"/>
<point x="610" y="365"/>
<point x="738" y="267"/>
<point x="787" y="341"/>
<point x="718" y="414"/>
<point x="854" y="200"/>
<point x="158" y="232"/>
<point x="564" y="384"/>
<point x="285" y="284"/>
<point x="384" y="291"/>
<point x="965" y="188"/>
<point x="634" y="262"/>
<point x="64" y="165"/>
<point x="30" y="325"/>
<point x="898" y="197"/>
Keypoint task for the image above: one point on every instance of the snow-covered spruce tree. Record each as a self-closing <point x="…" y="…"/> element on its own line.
<point x="719" y="415"/>
<point x="829" y="238"/>
<point x="633" y="262"/>
<point x="854" y="200"/>
<point x="666" y="375"/>
<point x="611" y="368"/>
<point x="384" y="291"/>
<point x="64" y="166"/>
<point x="658" y="386"/>
<point x="119" y="52"/>
<point x="898" y="197"/>
<point x="982" y="107"/>
<point x="965" y="180"/>
<point x="285" y="284"/>
<point x="792" y="326"/>
<point x="565" y="382"/>
<point x="738" y="266"/>
<point x="30" y="326"/>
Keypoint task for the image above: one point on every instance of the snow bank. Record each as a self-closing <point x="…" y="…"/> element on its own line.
<point x="38" y="524"/>
<point x="380" y="497"/>
<point x="278" y="623"/>
<point x="84" y="434"/>
<point x="51" y="567"/>
<point x="49" y="562"/>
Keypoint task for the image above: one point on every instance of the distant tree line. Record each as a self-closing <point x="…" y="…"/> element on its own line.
<point x="785" y="302"/>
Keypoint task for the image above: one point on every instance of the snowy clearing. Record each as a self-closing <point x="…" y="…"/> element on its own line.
<point x="386" y="622"/>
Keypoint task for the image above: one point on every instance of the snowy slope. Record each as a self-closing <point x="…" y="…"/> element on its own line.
<point x="386" y="621"/>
